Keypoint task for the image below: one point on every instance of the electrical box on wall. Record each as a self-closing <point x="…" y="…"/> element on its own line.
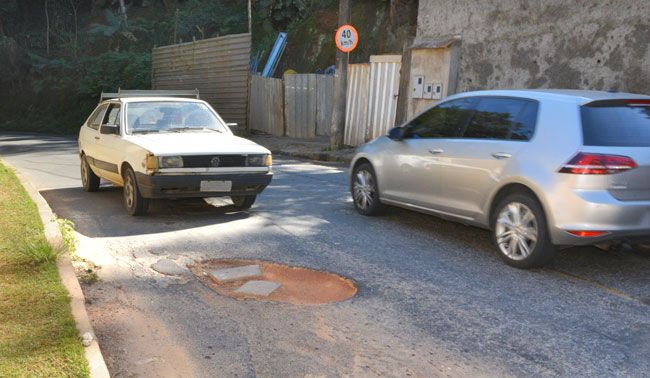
<point x="436" y="91"/>
<point x="428" y="91"/>
<point x="417" y="87"/>
<point x="432" y="91"/>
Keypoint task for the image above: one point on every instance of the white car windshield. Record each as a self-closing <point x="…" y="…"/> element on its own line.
<point x="169" y="116"/>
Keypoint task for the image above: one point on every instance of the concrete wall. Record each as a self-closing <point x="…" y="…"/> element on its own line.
<point x="587" y="44"/>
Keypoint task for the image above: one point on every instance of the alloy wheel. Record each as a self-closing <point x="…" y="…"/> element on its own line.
<point x="516" y="231"/>
<point x="364" y="189"/>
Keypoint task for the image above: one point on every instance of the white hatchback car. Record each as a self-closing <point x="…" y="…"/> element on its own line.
<point x="169" y="147"/>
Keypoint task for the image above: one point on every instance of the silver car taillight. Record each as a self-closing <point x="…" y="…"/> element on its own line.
<point x="585" y="163"/>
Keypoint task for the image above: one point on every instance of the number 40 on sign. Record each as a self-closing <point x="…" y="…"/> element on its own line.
<point x="347" y="38"/>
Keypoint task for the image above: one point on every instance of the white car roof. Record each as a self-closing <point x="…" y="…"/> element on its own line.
<point x="153" y="99"/>
<point x="580" y="96"/>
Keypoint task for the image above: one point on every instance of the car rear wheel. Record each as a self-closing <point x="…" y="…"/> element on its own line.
<point x="365" y="193"/>
<point x="243" y="202"/>
<point x="89" y="180"/>
<point x="520" y="233"/>
<point x="133" y="201"/>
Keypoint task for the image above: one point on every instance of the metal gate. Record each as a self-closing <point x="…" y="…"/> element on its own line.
<point x="384" y="90"/>
<point x="373" y="91"/>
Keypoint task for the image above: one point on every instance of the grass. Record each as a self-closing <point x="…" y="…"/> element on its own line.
<point x="86" y="271"/>
<point x="38" y="336"/>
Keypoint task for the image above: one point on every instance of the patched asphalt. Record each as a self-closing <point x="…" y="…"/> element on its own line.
<point x="434" y="298"/>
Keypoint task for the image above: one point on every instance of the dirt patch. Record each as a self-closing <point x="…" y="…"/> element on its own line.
<point x="300" y="286"/>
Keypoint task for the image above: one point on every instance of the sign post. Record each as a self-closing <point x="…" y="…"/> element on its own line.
<point x="346" y="40"/>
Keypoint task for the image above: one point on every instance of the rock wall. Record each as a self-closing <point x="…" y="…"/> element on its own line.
<point x="586" y="44"/>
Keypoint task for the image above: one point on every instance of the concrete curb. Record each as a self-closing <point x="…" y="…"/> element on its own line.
<point x="52" y="232"/>
<point x="316" y="156"/>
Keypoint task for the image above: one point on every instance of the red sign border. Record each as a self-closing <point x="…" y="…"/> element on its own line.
<point x="338" y="34"/>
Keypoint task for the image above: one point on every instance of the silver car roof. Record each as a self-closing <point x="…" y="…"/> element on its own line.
<point x="580" y="96"/>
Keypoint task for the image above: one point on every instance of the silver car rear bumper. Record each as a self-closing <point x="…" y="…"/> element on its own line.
<point x="598" y="210"/>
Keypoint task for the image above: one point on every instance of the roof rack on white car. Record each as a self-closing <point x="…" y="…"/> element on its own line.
<point x="192" y="93"/>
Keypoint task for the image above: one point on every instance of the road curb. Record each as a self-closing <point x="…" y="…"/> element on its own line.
<point x="53" y="234"/>
<point x="322" y="156"/>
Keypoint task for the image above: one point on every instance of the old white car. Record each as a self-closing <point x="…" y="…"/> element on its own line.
<point x="168" y="147"/>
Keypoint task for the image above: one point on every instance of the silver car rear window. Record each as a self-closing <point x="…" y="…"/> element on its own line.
<point x="624" y="123"/>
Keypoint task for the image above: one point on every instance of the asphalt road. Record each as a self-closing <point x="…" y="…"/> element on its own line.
<point x="434" y="299"/>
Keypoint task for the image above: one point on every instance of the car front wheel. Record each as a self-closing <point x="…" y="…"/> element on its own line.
<point x="133" y="201"/>
<point x="520" y="233"/>
<point x="365" y="193"/>
<point x="243" y="202"/>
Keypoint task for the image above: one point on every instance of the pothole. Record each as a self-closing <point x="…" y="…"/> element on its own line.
<point x="268" y="281"/>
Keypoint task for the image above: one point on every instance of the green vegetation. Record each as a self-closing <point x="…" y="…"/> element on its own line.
<point x="85" y="270"/>
<point x="67" y="231"/>
<point x="385" y="26"/>
<point x="56" y="56"/>
<point x="38" y="336"/>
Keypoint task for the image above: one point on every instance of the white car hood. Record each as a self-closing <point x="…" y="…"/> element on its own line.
<point x="196" y="143"/>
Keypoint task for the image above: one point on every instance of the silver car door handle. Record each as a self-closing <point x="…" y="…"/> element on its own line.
<point x="436" y="151"/>
<point x="501" y="155"/>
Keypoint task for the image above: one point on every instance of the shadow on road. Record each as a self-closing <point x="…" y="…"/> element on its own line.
<point x="25" y="144"/>
<point x="622" y="272"/>
<point x="102" y="214"/>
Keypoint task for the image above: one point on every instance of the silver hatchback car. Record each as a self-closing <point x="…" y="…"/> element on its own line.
<point x="539" y="168"/>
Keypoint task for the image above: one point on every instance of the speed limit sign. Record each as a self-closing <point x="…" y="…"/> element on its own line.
<point x="347" y="38"/>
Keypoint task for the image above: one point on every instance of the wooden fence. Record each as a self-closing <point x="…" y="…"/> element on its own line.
<point x="217" y="67"/>
<point x="298" y="106"/>
<point x="267" y="105"/>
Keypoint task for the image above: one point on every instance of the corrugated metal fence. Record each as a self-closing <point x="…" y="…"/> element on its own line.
<point x="218" y="67"/>
<point x="356" y="115"/>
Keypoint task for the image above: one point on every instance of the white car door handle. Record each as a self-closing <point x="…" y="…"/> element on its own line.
<point x="501" y="155"/>
<point x="97" y="137"/>
<point x="436" y="151"/>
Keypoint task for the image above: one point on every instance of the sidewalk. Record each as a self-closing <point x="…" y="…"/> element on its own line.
<point x="312" y="149"/>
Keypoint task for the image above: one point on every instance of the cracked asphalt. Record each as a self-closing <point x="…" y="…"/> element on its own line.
<point x="434" y="299"/>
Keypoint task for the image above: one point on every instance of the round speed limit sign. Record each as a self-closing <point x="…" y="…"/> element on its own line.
<point x="347" y="38"/>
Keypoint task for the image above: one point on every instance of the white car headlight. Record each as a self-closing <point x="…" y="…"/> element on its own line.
<point x="171" y="162"/>
<point x="259" y="160"/>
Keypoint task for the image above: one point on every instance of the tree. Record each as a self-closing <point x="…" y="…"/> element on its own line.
<point x="47" y="29"/>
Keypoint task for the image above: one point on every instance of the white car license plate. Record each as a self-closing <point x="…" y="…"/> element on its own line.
<point x="216" y="186"/>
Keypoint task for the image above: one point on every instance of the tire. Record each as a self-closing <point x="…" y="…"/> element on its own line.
<point x="243" y="202"/>
<point x="89" y="180"/>
<point x="520" y="232"/>
<point x="364" y="190"/>
<point x="134" y="203"/>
